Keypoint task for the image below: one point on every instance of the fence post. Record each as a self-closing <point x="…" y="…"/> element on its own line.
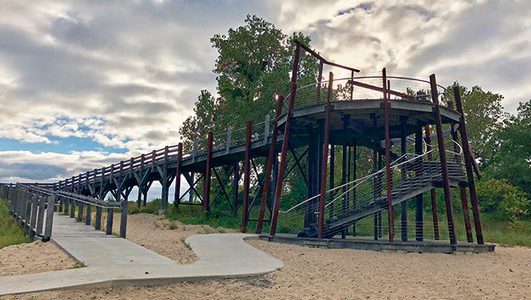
<point x="40" y="214"/>
<point x="49" y="217"/>
<point x="97" y="222"/>
<point x="33" y="221"/>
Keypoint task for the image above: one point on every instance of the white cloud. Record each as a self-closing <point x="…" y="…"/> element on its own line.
<point x="126" y="74"/>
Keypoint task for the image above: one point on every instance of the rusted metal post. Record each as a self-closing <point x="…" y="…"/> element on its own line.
<point x="419" y="199"/>
<point x="403" y="205"/>
<point x="354" y="177"/>
<point x="271" y="157"/>
<point x="206" y="179"/>
<point x="376" y="181"/>
<point x="468" y="166"/>
<point x="176" y="198"/>
<point x="331" y="180"/>
<point x="324" y="165"/>
<point x="343" y="182"/>
<point x="388" y="157"/>
<point x="433" y="195"/>
<point x="247" y="175"/>
<point x="444" y="163"/>
<point x="285" y="142"/>
<point x="462" y="190"/>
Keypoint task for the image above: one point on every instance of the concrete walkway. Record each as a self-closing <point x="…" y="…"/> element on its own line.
<point x="112" y="261"/>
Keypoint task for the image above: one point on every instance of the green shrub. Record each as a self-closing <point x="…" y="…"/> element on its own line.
<point x="501" y="198"/>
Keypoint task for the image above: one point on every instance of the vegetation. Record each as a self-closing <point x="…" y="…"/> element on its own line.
<point x="10" y="231"/>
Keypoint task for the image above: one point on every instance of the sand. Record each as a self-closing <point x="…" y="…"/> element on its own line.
<point x="312" y="273"/>
<point x="34" y="257"/>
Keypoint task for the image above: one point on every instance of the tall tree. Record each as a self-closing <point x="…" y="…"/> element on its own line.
<point x="512" y="156"/>
<point x="484" y="116"/>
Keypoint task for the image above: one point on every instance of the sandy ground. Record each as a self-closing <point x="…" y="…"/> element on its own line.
<point x="311" y="273"/>
<point x="156" y="234"/>
<point x="33" y="257"/>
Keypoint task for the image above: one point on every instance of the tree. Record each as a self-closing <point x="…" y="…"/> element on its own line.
<point x="484" y="118"/>
<point x="253" y="65"/>
<point x="203" y="120"/>
<point x="512" y="157"/>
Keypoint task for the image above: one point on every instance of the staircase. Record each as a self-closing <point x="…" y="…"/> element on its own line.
<point x="411" y="175"/>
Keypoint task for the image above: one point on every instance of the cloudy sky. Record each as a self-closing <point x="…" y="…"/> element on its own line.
<point x="86" y="83"/>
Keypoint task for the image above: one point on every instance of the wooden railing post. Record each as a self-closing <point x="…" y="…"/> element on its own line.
<point x="49" y="217"/>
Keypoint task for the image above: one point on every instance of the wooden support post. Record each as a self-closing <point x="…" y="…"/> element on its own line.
<point x="322" y="199"/>
<point x="444" y="163"/>
<point x="109" y="221"/>
<point x="206" y="179"/>
<point x="419" y="199"/>
<point x="285" y="142"/>
<point x="178" y="171"/>
<point x="246" y="176"/>
<point x="72" y="208"/>
<point x="271" y="157"/>
<point x="468" y="166"/>
<point x="388" y="158"/>
<point x="403" y="205"/>
<point x="433" y="195"/>
<point x="123" y="219"/>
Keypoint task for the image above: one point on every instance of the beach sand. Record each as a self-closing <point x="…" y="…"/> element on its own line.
<point x="312" y="273"/>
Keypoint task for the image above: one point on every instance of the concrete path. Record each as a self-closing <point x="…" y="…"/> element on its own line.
<point x="112" y="261"/>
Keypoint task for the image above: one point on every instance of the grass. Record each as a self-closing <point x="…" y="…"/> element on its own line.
<point x="10" y="231"/>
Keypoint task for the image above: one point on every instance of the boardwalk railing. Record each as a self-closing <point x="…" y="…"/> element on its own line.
<point x="32" y="210"/>
<point x="33" y="206"/>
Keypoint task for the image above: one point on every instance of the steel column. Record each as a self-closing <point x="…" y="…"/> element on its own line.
<point x="285" y="142"/>
<point x="419" y="199"/>
<point x="206" y="179"/>
<point x="388" y="157"/>
<point x="444" y="163"/>
<point x="433" y="195"/>
<point x="468" y="166"/>
<point x="403" y="205"/>
<point x="324" y="165"/>
<point x="271" y="157"/>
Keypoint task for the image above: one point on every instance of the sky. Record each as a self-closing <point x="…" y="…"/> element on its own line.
<point x="84" y="84"/>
